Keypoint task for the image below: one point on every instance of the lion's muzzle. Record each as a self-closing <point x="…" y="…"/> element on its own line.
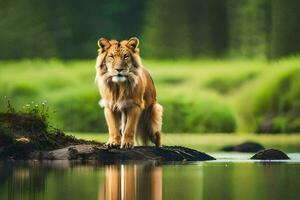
<point x="119" y="78"/>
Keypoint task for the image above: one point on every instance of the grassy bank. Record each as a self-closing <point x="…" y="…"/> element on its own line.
<point x="198" y="96"/>
<point x="214" y="142"/>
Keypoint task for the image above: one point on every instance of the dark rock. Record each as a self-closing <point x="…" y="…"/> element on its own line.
<point x="103" y="154"/>
<point x="247" y="147"/>
<point x="270" y="154"/>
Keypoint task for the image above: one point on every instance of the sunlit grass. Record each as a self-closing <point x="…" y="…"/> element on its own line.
<point x="195" y="80"/>
<point x="50" y="77"/>
<point x="214" y="142"/>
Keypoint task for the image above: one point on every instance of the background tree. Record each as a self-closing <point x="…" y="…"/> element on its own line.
<point x="69" y="29"/>
<point x="285" y="30"/>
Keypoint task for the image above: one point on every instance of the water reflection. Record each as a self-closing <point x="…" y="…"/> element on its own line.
<point x="204" y="180"/>
<point x="130" y="182"/>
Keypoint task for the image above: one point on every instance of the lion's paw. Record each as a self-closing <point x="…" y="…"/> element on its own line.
<point x="112" y="144"/>
<point x="127" y="144"/>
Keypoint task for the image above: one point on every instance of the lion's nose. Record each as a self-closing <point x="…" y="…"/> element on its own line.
<point x="119" y="70"/>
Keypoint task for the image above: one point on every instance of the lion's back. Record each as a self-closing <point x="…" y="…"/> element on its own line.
<point x="150" y="91"/>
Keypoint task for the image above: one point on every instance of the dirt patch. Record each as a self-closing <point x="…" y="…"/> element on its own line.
<point x="22" y="133"/>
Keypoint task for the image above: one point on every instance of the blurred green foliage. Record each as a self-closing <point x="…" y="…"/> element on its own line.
<point x="180" y="29"/>
<point x="197" y="115"/>
<point x="285" y="34"/>
<point x="80" y="112"/>
<point x="271" y="103"/>
<point x="250" y="25"/>
<point x="277" y="106"/>
<point x="197" y="96"/>
<point x="225" y="85"/>
<point x="64" y="28"/>
<point x="169" y="29"/>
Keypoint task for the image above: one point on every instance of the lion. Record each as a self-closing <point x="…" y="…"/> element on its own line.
<point x="128" y="94"/>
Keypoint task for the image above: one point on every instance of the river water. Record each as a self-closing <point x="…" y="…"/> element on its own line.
<point x="232" y="176"/>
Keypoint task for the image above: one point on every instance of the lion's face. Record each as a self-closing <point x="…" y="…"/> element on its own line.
<point x="118" y="60"/>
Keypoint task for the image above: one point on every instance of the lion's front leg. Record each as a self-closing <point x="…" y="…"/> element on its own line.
<point x="113" y="122"/>
<point x="132" y="117"/>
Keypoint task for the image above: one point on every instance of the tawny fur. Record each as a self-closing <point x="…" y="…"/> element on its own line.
<point x="128" y="94"/>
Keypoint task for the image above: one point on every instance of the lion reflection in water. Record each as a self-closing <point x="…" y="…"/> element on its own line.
<point x="132" y="182"/>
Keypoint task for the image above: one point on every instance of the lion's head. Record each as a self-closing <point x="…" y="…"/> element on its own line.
<point x="119" y="60"/>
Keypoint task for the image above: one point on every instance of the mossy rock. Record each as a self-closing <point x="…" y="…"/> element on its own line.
<point x="246" y="147"/>
<point x="113" y="155"/>
<point x="270" y="154"/>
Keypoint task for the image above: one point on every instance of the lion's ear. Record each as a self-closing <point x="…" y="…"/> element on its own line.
<point x="103" y="43"/>
<point x="133" y="43"/>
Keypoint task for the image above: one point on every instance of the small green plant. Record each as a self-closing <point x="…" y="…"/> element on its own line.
<point x="27" y="130"/>
<point x="9" y="107"/>
<point x="32" y="119"/>
<point x="40" y="110"/>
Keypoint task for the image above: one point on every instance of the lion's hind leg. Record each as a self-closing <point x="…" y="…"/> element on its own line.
<point x="156" y="124"/>
<point x="150" y="123"/>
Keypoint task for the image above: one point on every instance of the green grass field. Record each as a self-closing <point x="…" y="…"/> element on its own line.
<point x="198" y="96"/>
<point x="214" y="142"/>
<point x="52" y="78"/>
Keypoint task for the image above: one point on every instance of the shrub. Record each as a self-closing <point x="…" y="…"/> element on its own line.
<point x="23" y="90"/>
<point x="182" y="115"/>
<point x="80" y="112"/>
<point x="225" y="85"/>
<point x="277" y="106"/>
<point x="56" y="83"/>
<point x="20" y="94"/>
<point x="171" y="80"/>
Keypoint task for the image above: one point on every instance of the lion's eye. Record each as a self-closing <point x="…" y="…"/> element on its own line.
<point x="126" y="56"/>
<point x="110" y="57"/>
